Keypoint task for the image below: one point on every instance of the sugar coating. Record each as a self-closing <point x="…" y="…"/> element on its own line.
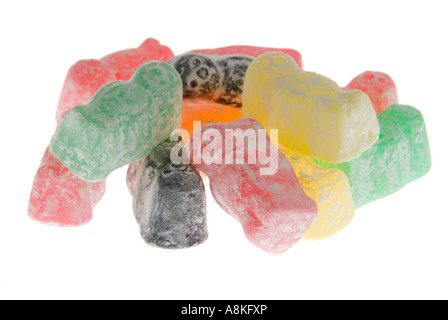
<point x="400" y="156"/>
<point x="218" y="78"/>
<point x="330" y="189"/>
<point x="168" y="200"/>
<point x="122" y="122"/>
<point x="313" y="115"/>
<point x="272" y="209"/>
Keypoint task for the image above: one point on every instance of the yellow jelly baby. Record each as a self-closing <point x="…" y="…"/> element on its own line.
<point x="330" y="189"/>
<point x="314" y="117"/>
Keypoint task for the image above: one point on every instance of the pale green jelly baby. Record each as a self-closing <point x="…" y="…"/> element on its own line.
<point x="122" y="122"/>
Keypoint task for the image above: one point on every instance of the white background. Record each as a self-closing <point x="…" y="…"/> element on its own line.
<point x="395" y="248"/>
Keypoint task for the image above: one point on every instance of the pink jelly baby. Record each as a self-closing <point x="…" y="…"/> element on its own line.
<point x="252" y="52"/>
<point x="59" y="197"/>
<point x="253" y="182"/>
<point x="85" y="77"/>
<point x="378" y="86"/>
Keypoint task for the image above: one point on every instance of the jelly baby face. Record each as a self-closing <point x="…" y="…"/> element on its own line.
<point x="199" y="75"/>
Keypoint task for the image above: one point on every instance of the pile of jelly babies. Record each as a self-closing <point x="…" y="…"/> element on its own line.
<point x="288" y="153"/>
